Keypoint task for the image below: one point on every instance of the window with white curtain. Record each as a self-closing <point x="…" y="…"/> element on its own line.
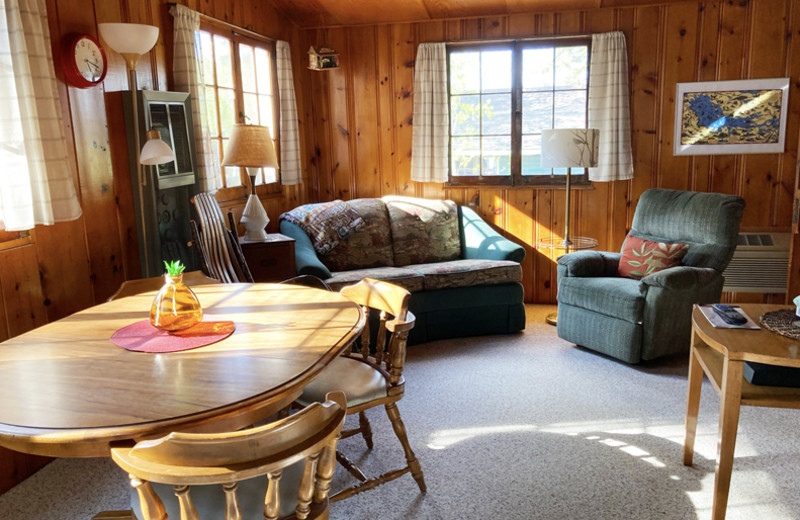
<point x="239" y="75"/>
<point x="502" y="95"/>
<point x="36" y="185"/>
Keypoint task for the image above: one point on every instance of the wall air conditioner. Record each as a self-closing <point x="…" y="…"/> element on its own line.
<point x="759" y="264"/>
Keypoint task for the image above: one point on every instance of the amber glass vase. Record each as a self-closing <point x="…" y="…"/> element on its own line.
<point x="175" y="307"/>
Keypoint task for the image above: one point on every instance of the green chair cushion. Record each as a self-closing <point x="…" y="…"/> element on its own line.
<point x="622" y="298"/>
<point x="359" y="381"/>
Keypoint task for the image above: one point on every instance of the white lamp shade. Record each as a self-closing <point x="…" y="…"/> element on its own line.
<point x="129" y="38"/>
<point x="570" y="148"/>
<point x="156" y="151"/>
<point x="250" y="146"/>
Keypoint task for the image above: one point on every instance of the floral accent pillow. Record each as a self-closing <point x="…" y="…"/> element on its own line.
<point x="326" y="224"/>
<point x="642" y="257"/>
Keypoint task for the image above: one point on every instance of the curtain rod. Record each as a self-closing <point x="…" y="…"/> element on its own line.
<point x="235" y="28"/>
<point x="528" y="39"/>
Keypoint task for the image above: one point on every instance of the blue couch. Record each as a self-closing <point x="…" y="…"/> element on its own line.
<point x="463" y="276"/>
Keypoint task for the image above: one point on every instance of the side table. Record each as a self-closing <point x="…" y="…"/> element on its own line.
<point x="270" y="260"/>
<point x="575" y="244"/>
<point x="720" y="355"/>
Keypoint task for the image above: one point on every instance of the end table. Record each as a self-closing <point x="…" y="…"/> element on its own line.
<point x="575" y="244"/>
<point x="270" y="260"/>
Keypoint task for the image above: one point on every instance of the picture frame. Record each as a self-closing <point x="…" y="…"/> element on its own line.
<point x="731" y="117"/>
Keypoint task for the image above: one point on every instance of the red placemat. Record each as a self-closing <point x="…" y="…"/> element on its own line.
<point x="143" y="337"/>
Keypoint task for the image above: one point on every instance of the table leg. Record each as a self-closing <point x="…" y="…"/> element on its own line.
<point x="730" y="402"/>
<point x="692" y="403"/>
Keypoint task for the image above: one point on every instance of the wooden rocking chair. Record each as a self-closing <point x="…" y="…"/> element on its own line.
<point x="217" y="246"/>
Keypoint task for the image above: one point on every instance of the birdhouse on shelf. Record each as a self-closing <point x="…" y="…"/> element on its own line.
<point x="322" y="58"/>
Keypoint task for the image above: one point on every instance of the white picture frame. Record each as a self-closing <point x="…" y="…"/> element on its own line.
<point x="731" y="117"/>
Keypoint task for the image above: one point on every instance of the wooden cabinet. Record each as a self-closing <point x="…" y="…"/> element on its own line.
<point x="271" y="260"/>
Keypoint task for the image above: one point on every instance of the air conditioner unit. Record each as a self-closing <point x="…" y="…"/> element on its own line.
<point x="760" y="263"/>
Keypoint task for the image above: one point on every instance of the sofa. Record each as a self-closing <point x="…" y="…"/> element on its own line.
<point x="463" y="276"/>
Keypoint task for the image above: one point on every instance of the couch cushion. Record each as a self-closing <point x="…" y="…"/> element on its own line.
<point x="327" y="223"/>
<point x="621" y="298"/>
<point x="466" y="273"/>
<point x="406" y="278"/>
<point x="370" y="246"/>
<point x="423" y="231"/>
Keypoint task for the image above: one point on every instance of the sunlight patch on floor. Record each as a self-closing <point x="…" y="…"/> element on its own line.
<point x="744" y="502"/>
<point x="443" y="439"/>
<point x="705" y="439"/>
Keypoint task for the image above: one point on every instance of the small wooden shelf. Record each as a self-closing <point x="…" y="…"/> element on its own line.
<point x="752" y="395"/>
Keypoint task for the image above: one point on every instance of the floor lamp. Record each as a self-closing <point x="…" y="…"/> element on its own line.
<point x="569" y="148"/>
<point x="250" y="146"/>
<point x="132" y="40"/>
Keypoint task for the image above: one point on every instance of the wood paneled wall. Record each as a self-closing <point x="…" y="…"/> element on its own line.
<point x="356" y="125"/>
<point x="73" y="265"/>
<point x="359" y="117"/>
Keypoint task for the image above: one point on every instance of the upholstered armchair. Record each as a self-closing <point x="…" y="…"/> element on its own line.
<point x="636" y="320"/>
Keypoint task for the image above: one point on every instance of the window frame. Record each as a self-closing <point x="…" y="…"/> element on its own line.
<point x="226" y="193"/>
<point x="579" y="176"/>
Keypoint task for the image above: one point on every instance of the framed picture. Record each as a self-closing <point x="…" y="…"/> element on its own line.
<point x="731" y="117"/>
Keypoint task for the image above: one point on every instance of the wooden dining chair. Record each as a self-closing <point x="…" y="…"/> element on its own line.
<point x="140" y="285"/>
<point x="217" y="246"/>
<point x="220" y="469"/>
<point x="372" y="376"/>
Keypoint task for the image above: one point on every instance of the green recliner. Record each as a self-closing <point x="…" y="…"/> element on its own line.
<point x="634" y="320"/>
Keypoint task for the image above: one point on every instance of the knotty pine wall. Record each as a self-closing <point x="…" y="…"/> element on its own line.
<point x="73" y="265"/>
<point x="358" y="118"/>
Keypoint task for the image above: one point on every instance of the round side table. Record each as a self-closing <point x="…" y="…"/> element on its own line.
<point x="574" y="244"/>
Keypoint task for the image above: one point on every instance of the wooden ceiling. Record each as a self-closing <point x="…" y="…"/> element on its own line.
<point x="332" y="13"/>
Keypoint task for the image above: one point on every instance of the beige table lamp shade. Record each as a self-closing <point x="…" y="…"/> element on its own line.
<point x="250" y="146"/>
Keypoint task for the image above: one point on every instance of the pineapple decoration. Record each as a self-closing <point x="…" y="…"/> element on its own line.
<point x="175" y="307"/>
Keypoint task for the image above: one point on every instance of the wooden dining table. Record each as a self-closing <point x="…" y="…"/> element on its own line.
<point x="68" y="391"/>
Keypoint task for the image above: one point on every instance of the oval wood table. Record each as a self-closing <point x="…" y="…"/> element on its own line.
<point x="68" y="391"/>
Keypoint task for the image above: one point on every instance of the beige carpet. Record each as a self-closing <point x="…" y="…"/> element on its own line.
<point x="521" y="427"/>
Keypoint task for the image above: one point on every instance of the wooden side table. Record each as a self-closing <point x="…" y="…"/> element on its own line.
<point x="720" y="354"/>
<point x="271" y="260"/>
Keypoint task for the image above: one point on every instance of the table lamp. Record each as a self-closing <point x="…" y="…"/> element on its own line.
<point x="250" y="146"/>
<point x="569" y="148"/>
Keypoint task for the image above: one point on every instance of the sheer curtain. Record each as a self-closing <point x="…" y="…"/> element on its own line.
<point x="36" y="184"/>
<point x="431" y="134"/>
<point x="187" y="70"/>
<point x="290" y="135"/>
<point x="609" y="108"/>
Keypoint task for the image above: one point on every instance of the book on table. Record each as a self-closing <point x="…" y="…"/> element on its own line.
<point x="717" y="321"/>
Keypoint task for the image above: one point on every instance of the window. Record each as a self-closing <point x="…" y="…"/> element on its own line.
<point x="501" y="98"/>
<point x="239" y="75"/>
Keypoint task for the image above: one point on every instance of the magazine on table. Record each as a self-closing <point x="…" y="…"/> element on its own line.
<point x="717" y="321"/>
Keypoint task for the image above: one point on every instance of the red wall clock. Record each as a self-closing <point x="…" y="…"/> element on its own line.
<point x="83" y="60"/>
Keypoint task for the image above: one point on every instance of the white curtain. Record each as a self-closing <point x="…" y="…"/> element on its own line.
<point x="290" y="136"/>
<point x="609" y="109"/>
<point x="431" y="130"/>
<point x="36" y="184"/>
<point x="187" y="69"/>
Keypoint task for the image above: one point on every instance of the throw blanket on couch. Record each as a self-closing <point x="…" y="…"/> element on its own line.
<point x="327" y="223"/>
